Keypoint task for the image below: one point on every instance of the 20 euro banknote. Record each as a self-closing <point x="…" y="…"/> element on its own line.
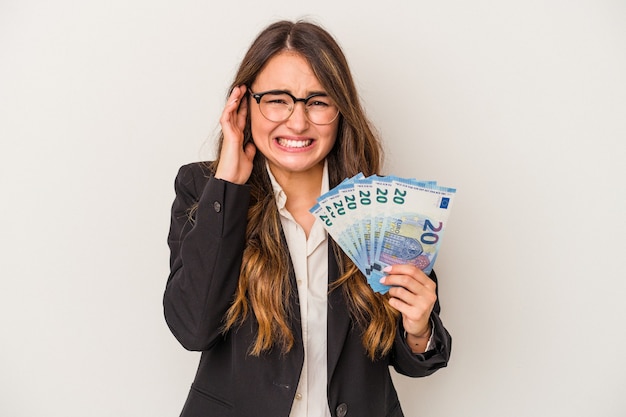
<point x="381" y="221"/>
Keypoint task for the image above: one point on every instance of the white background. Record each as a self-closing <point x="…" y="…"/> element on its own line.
<point x="520" y="105"/>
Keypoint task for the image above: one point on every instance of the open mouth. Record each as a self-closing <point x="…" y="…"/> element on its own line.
<point x="295" y="144"/>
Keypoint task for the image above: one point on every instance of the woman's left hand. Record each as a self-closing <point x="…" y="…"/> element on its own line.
<point x="413" y="294"/>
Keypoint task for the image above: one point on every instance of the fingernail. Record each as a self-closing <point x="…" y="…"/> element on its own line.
<point x="387" y="269"/>
<point x="382" y="280"/>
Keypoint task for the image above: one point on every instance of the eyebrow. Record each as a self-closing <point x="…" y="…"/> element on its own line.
<point x="277" y="90"/>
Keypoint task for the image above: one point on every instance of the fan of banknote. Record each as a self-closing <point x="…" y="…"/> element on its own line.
<point x="381" y="221"/>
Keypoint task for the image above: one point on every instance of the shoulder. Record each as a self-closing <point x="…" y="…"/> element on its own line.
<point x="193" y="176"/>
<point x="194" y="170"/>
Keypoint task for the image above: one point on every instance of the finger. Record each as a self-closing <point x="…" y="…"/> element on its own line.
<point x="410" y="290"/>
<point x="236" y="94"/>
<point x="412" y="271"/>
<point x="242" y="112"/>
<point x="414" y="314"/>
<point x="401" y="281"/>
<point x="232" y="120"/>
<point x="414" y="306"/>
<point x="237" y="107"/>
<point x="415" y="296"/>
<point x="234" y="100"/>
<point x="403" y="295"/>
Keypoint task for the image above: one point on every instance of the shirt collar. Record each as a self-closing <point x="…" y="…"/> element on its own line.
<point x="279" y="194"/>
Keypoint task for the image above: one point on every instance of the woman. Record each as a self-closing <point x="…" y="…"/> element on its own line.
<point x="286" y="323"/>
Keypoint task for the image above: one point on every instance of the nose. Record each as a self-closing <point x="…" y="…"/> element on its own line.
<point x="298" y="120"/>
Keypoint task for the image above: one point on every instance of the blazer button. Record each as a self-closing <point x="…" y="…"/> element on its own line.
<point x="342" y="410"/>
<point x="217" y="206"/>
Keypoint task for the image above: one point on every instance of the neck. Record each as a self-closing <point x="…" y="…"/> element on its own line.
<point x="302" y="190"/>
<point x="297" y="185"/>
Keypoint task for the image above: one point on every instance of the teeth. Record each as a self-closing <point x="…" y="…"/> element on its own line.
<point x="288" y="143"/>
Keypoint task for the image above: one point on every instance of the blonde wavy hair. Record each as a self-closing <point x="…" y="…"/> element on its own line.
<point x="264" y="285"/>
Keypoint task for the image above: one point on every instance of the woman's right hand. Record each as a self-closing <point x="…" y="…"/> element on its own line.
<point x="235" y="164"/>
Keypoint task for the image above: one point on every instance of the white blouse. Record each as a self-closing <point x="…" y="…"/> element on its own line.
<point x="310" y="263"/>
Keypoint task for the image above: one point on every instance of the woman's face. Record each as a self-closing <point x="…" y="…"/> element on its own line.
<point x="296" y="145"/>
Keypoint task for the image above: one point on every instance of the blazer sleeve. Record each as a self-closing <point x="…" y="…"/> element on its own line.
<point x="206" y="245"/>
<point x="423" y="364"/>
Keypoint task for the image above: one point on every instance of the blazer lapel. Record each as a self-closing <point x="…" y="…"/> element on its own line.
<point x="338" y="315"/>
<point x="296" y="318"/>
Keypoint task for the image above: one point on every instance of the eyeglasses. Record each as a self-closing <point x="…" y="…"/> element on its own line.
<point x="277" y="106"/>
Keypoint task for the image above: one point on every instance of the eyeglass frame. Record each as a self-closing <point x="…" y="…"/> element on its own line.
<point x="258" y="96"/>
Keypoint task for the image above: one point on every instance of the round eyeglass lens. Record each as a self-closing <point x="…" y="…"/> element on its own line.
<point x="277" y="107"/>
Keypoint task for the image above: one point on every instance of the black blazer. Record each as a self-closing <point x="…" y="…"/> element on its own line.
<point x="205" y="263"/>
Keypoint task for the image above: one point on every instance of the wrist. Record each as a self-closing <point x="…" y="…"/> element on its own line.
<point x="425" y="334"/>
<point x="418" y="343"/>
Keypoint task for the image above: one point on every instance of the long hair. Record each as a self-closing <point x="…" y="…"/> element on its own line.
<point x="264" y="287"/>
